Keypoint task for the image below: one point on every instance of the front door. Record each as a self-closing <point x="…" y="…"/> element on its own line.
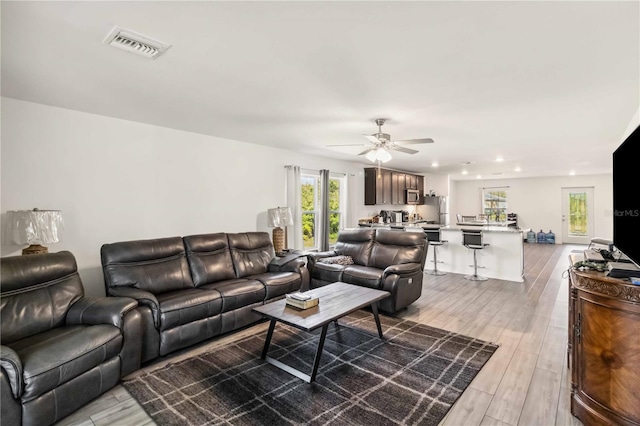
<point x="577" y="215"/>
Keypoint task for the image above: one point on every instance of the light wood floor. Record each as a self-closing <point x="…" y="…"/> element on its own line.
<point x="524" y="383"/>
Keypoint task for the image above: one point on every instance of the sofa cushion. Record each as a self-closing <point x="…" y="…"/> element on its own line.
<point x="36" y="293"/>
<point x="58" y="355"/>
<point x="209" y="258"/>
<point x="356" y="243"/>
<point x="251" y="253"/>
<point x="363" y="275"/>
<point x="396" y="248"/>
<point x="330" y="272"/>
<point x="156" y="266"/>
<point x="184" y="306"/>
<point x="278" y="283"/>
<point x="238" y="293"/>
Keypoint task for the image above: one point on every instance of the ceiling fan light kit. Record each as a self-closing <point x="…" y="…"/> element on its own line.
<point x="381" y="144"/>
<point x="378" y="154"/>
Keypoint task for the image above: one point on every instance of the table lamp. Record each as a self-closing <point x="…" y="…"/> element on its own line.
<point x="34" y="227"/>
<point x="278" y="218"/>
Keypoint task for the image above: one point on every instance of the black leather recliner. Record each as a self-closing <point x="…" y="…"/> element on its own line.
<point x="59" y="349"/>
<point x="382" y="259"/>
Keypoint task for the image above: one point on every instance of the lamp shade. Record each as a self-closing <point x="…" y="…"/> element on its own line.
<point x="33" y="226"/>
<point x="279" y="217"/>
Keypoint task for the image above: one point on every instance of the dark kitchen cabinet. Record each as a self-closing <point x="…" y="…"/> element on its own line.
<point x="398" y="187"/>
<point x="383" y="186"/>
<point x="377" y="186"/>
<point x="411" y="182"/>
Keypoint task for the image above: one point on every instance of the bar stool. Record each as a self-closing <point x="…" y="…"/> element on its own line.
<point x="472" y="239"/>
<point x="433" y="236"/>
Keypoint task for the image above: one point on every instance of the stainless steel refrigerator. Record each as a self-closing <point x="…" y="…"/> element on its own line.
<point x="436" y="209"/>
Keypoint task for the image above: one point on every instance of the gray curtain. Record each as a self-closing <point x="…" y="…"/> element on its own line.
<point x="294" y="200"/>
<point x="323" y="231"/>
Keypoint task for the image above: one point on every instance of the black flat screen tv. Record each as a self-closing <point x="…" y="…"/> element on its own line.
<point x="626" y="197"/>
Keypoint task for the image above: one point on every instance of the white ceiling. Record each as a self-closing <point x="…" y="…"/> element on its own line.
<point x="549" y="86"/>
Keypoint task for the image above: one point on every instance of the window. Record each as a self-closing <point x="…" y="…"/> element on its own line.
<point x="311" y="208"/>
<point x="494" y="204"/>
<point x="337" y="202"/>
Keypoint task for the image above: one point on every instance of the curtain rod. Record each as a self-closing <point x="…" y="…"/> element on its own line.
<point x="494" y="187"/>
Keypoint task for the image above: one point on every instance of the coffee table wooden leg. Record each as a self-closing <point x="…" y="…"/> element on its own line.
<point x="267" y="341"/>
<point x="316" y="361"/>
<point x="374" y="308"/>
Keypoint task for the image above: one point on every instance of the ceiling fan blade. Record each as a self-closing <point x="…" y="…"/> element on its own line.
<point x="403" y="149"/>
<point x="366" y="151"/>
<point x="353" y="144"/>
<point x="372" y="139"/>
<point x="415" y="141"/>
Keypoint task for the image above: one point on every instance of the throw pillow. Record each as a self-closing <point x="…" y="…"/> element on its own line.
<point x="338" y="260"/>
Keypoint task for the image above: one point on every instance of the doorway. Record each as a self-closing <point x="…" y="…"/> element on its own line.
<point x="577" y="215"/>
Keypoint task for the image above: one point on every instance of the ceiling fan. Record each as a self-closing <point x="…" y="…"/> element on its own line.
<point x="381" y="143"/>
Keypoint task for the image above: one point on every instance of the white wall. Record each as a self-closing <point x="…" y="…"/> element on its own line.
<point x="538" y="201"/>
<point x="118" y="180"/>
<point x="437" y="183"/>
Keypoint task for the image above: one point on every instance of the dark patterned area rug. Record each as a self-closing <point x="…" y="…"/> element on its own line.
<point x="413" y="377"/>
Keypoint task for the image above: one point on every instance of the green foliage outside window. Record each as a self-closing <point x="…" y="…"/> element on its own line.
<point x="578" y="214"/>
<point x="334" y="207"/>
<point x="311" y="199"/>
<point x="309" y="205"/>
<point x="495" y="206"/>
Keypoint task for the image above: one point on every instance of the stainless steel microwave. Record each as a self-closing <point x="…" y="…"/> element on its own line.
<point x="413" y="196"/>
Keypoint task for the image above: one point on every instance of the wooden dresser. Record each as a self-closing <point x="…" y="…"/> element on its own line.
<point x="604" y="348"/>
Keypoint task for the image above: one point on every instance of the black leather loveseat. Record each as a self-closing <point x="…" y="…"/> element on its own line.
<point x="193" y="288"/>
<point x="377" y="258"/>
<point x="59" y="349"/>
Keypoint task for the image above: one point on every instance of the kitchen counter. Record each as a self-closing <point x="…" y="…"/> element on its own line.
<point x="413" y="226"/>
<point x="486" y="227"/>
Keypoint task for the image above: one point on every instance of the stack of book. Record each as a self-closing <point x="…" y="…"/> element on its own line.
<point x="302" y="300"/>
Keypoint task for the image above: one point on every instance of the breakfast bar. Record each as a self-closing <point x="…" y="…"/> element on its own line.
<point x="502" y="259"/>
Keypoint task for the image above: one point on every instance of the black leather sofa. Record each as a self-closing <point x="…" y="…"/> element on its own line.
<point x="192" y="288"/>
<point x="59" y="349"/>
<point x="382" y="259"/>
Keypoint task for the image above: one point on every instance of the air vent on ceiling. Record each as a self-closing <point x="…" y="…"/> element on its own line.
<point x="134" y="42"/>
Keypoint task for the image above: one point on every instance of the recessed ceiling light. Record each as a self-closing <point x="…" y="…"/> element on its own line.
<point x="434" y="164"/>
<point x="572" y="173"/>
<point x="464" y="172"/>
<point x="517" y="169"/>
<point x="499" y="159"/>
<point x="479" y="177"/>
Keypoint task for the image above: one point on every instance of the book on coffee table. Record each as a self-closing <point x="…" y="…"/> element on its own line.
<point x="301" y="302"/>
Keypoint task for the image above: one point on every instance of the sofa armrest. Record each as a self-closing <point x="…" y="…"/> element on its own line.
<point x="403" y="269"/>
<point x="321" y="254"/>
<point x="100" y="310"/>
<point x="312" y="258"/>
<point x="288" y="263"/>
<point x="143" y="297"/>
<point x="12" y="365"/>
